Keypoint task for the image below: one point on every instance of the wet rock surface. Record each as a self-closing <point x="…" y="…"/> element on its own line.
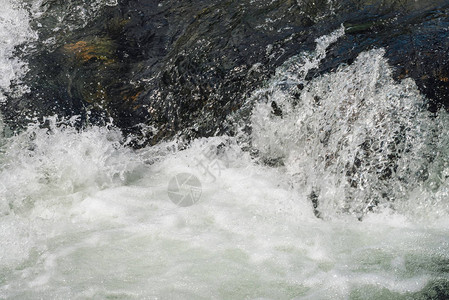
<point x="181" y="67"/>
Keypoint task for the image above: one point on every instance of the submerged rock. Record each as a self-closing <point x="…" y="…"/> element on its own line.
<point x="181" y="67"/>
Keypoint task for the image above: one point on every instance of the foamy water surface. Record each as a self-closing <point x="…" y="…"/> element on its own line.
<point x="83" y="216"/>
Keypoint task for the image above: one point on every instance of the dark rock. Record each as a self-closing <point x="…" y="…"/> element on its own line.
<point x="184" y="66"/>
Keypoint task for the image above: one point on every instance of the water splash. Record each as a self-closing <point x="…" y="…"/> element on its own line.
<point x="84" y="216"/>
<point x="353" y="140"/>
<point x="61" y="160"/>
<point x="15" y="30"/>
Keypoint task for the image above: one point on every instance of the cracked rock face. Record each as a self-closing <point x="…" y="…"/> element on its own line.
<point x="181" y="67"/>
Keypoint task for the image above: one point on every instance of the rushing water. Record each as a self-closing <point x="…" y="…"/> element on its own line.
<point x="84" y="216"/>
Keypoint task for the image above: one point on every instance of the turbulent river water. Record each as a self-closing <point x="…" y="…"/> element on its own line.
<point x="342" y="195"/>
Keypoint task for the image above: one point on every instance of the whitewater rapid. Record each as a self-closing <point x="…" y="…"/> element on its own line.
<point x="83" y="216"/>
<point x="88" y="218"/>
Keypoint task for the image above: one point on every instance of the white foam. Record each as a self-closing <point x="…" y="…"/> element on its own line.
<point x="353" y="137"/>
<point x="14" y="30"/>
<point x="251" y="235"/>
<point x="83" y="216"/>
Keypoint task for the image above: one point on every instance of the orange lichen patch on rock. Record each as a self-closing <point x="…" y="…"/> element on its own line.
<point x="132" y="98"/>
<point x="97" y="49"/>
